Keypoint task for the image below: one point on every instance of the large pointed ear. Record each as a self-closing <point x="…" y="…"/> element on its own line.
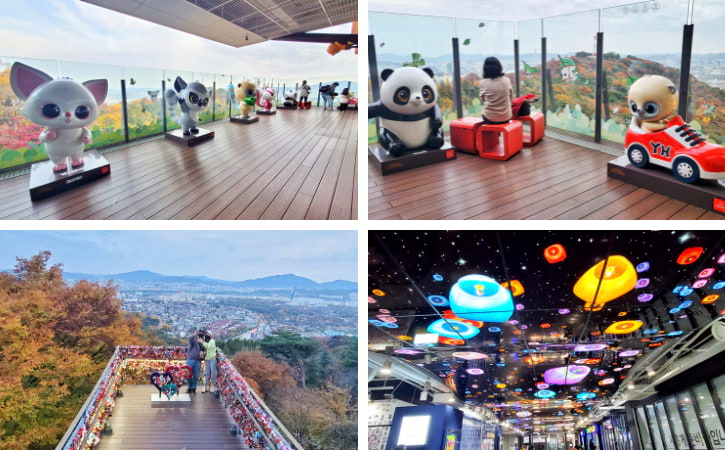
<point x="99" y="89"/>
<point x="429" y="71"/>
<point x="179" y="84"/>
<point x="385" y="73"/>
<point x="25" y="79"/>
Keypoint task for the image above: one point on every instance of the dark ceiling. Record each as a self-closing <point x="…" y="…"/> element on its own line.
<point x="548" y="327"/>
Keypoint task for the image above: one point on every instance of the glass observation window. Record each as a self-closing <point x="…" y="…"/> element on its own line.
<point x="665" y="426"/>
<point x="643" y="428"/>
<point x="709" y="417"/>
<point x="654" y="426"/>
<point x="678" y="430"/>
<point x="695" y="436"/>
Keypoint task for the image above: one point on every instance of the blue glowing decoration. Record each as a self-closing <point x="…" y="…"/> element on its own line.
<point x="377" y="323"/>
<point x="675" y="333"/>
<point x="494" y="329"/>
<point x="452" y="329"/>
<point x="719" y="285"/>
<point x="642" y="267"/>
<point x="685" y="291"/>
<point x="677" y="289"/>
<point x="585" y="396"/>
<point x="437" y="300"/>
<point x="545" y="393"/>
<point x="437" y="277"/>
<point x="390" y="325"/>
<point x="478" y="297"/>
<point x="650" y="331"/>
<point x="685" y="304"/>
<point x="675" y="310"/>
<point x="501" y="364"/>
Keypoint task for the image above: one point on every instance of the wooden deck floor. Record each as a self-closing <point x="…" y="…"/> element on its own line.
<point x="136" y="425"/>
<point x="293" y="165"/>
<point x="553" y="180"/>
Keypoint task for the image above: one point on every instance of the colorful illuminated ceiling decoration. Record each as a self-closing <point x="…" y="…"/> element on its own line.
<point x="543" y="346"/>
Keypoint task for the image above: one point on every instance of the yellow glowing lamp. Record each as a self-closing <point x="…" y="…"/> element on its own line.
<point x="624" y="327"/>
<point x="378" y="292"/>
<point x="618" y="278"/>
<point x="710" y="299"/>
<point x="516" y="287"/>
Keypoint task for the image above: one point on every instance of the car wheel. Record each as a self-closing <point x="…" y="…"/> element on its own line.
<point x="685" y="169"/>
<point x="637" y="155"/>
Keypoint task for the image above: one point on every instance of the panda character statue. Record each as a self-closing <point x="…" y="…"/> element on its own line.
<point x="409" y="116"/>
<point x="290" y="99"/>
<point x="192" y="98"/>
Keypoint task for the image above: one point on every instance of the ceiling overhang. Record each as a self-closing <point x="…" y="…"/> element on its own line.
<point x="322" y="38"/>
<point x="238" y="23"/>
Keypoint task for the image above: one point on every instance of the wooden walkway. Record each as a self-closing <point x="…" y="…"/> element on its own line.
<point x="553" y="180"/>
<point x="293" y="165"/>
<point x="136" y="425"/>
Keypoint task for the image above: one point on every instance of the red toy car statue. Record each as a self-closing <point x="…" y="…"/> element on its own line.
<point x="678" y="147"/>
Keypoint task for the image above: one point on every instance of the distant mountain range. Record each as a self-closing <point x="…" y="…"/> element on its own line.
<point x="285" y="281"/>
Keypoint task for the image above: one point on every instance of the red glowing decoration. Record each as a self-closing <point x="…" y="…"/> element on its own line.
<point x="592" y="361"/>
<point x="516" y="287"/>
<point x="450" y="315"/>
<point x="545" y="325"/>
<point x="689" y="255"/>
<point x="710" y="299"/>
<point x="555" y="253"/>
<point x="450" y="341"/>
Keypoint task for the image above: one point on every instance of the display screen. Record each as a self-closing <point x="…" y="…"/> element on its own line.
<point x="414" y="430"/>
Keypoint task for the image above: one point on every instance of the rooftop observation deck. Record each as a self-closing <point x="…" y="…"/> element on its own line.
<point x="552" y="180"/>
<point x="291" y="165"/>
<point x="205" y="424"/>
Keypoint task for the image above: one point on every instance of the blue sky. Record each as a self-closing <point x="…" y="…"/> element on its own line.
<point x="75" y="31"/>
<point x="230" y="255"/>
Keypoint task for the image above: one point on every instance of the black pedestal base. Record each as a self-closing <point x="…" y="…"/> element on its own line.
<point x="266" y="113"/>
<point x="417" y="158"/>
<point x="706" y="194"/>
<point x="44" y="182"/>
<point x="193" y="139"/>
<point x="287" y="107"/>
<point x="240" y="119"/>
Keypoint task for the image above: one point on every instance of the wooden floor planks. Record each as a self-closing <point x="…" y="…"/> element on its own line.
<point x="553" y="180"/>
<point x="136" y="425"/>
<point x="293" y="165"/>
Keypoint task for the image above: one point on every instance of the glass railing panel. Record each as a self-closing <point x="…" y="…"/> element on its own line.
<point x="207" y="79"/>
<point x="477" y="40"/>
<point x="529" y="34"/>
<point x="639" y="39"/>
<point x="571" y="71"/>
<point x="223" y="95"/>
<point x="144" y="101"/>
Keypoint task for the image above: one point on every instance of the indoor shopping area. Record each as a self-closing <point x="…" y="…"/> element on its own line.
<point x="546" y="340"/>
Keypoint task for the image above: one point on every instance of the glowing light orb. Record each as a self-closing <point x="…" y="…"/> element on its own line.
<point x="685" y="304"/>
<point x="706" y="273"/>
<point x="627" y="353"/>
<point x="545" y="393"/>
<point x="606" y="382"/>
<point x="404" y="337"/>
<point x="519" y="307"/>
<point x="513" y="322"/>
<point x="590" y="347"/>
<point x="618" y="278"/>
<point x="523" y="414"/>
<point x="564" y="311"/>
<point x="585" y="395"/>
<point x="642" y="283"/>
<point x="524" y="327"/>
<point x="469" y="355"/>
<point x="555" y="253"/>
<point x="710" y="299"/>
<point x="675" y="333"/>
<point x="494" y="329"/>
<point x="516" y="287"/>
<point x="685" y="291"/>
<point x="541" y="385"/>
<point x="449" y="314"/>
<point x="644" y="298"/>
<point x="384" y="311"/>
<point x="592" y="361"/>
<point x="677" y="289"/>
<point x="674" y="310"/>
<point x="452" y="329"/>
<point x="378" y="292"/>
<point x="437" y="300"/>
<point x="566" y="375"/>
<point x="622" y="313"/>
<point x="390" y="325"/>
<point x="618" y="369"/>
<point x="437" y="277"/>
<point x="624" y="327"/>
<point x="689" y="255"/>
<point x="642" y="267"/>
<point x="599" y="372"/>
<point x="474" y="371"/>
<point x="372" y="300"/>
<point x="501" y="385"/>
<point x="699" y="283"/>
<point x="650" y="331"/>
<point x="719" y="285"/>
<point x="386" y="318"/>
<point x="377" y="323"/>
<point x="478" y="297"/>
<point x="533" y="359"/>
<point x="545" y="325"/>
<point x="408" y="351"/>
<point x="450" y="341"/>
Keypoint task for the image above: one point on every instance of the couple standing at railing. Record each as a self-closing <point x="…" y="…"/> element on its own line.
<point x="202" y="347"/>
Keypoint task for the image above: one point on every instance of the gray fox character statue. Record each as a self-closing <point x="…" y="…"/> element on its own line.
<point x="192" y="99"/>
<point x="410" y="118"/>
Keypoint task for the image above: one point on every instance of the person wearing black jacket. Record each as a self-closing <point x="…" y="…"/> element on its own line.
<point x="194" y="358"/>
<point x="328" y="92"/>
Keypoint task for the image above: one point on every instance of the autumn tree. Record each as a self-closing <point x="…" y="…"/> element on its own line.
<point x="293" y="349"/>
